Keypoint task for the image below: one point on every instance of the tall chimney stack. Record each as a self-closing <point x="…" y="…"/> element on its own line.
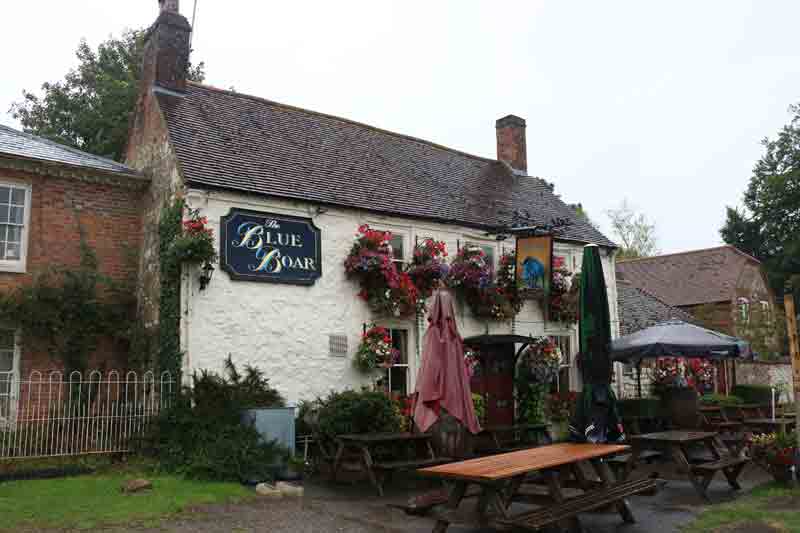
<point x="166" y="51"/>
<point x="511" y="142"/>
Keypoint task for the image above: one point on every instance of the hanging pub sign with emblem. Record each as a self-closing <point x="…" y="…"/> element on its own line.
<point x="268" y="247"/>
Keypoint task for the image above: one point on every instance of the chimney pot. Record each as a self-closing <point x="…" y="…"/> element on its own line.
<point x="511" y="142"/>
<point x="172" y="6"/>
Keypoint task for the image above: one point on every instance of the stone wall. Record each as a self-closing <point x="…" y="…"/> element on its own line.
<point x="285" y="329"/>
<point x="774" y="374"/>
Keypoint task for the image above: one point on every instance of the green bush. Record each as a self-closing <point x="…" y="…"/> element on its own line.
<point x="349" y="412"/>
<point x="202" y="435"/>
<point x="721" y="400"/>
<point x="761" y="394"/>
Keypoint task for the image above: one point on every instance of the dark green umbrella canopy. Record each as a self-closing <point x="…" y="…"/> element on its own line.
<point x="596" y="417"/>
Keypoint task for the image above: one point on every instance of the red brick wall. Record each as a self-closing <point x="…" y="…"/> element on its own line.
<point x="110" y="216"/>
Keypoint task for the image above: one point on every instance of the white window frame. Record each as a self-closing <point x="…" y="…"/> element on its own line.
<point x="19" y="265"/>
<point x="406" y="340"/>
<point x="9" y="419"/>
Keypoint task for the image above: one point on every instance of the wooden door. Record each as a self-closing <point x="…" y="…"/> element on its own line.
<point x="495" y="382"/>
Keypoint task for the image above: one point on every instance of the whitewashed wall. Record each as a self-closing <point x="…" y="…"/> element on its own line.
<point x="284" y="329"/>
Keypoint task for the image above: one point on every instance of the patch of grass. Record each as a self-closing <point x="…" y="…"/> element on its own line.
<point x="772" y="505"/>
<point x="86" y="502"/>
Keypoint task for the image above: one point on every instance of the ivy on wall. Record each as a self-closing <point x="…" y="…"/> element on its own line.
<point x="169" y="309"/>
<point x="65" y="311"/>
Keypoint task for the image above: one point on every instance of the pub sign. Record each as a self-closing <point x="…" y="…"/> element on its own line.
<point x="257" y="246"/>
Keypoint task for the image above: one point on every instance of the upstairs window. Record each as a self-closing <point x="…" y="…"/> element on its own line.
<point x="14" y="217"/>
<point x="398" y="250"/>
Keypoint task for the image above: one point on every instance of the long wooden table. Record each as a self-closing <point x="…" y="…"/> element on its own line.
<point x="770" y="425"/>
<point x="499" y="478"/>
<point x="679" y="442"/>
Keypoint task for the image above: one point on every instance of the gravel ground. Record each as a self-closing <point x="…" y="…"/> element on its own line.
<point x="355" y="508"/>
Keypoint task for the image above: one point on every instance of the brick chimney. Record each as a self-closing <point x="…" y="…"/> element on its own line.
<point x="511" y="142"/>
<point x="166" y="51"/>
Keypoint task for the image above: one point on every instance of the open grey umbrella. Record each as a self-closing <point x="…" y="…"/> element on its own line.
<point x="675" y="338"/>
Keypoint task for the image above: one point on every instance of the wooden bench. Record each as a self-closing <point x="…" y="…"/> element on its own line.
<point x="540" y="518"/>
<point x="619" y="463"/>
<point x="702" y="474"/>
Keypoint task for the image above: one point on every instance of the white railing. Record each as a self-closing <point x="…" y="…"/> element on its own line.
<point x="55" y="415"/>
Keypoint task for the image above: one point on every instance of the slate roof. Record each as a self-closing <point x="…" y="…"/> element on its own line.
<point x="233" y="141"/>
<point x="639" y="310"/>
<point x="24" y="145"/>
<point x="688" y="278"/>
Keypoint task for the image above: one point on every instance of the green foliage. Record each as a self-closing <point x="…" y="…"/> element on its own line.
<point x="350" y="411"/>
<point x="195" y="242"/>
<point x="202" y="435"/>
<point x="768" y="227"/>
<point x="634" y="231"/>
<point x="721" y="399"/>
<point x="479" y="403"/>
<point x="761" y="394"/>
<point x="90" y="108"/>
<point x="66" y="310"/>
<point x="169" y="312"/>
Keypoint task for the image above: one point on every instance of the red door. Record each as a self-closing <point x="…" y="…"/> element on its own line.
<point x="494" y="380"/>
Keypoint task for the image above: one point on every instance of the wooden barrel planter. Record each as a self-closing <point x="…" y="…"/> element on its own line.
<point x="450" y="438"/>
<point x="681" y="406"/>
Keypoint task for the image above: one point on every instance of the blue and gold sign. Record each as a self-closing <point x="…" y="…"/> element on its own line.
<point x="268" y="247"/>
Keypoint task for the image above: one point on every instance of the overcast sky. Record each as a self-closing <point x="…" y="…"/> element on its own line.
<point x="663" y="103"/>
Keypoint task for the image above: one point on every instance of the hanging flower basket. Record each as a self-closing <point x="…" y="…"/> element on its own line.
<point x="564" y="296"/>
<point x="428" y="268"/>
<point x="375" y="351"/>
<point x="385" y="289"/>
<point x="541" y="359"/>
<point x="195" y="244"/>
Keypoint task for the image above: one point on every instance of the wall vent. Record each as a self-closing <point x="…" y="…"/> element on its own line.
<point x="337" y="345"/>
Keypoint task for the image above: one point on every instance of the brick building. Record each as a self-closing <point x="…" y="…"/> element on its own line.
<point x="49" y="193"/>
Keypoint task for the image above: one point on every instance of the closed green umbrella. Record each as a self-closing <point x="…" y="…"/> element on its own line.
<point x="596" y="418"/>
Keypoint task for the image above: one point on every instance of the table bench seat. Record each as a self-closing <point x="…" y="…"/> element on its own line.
<point x="410" y="464"/>
<point x="540" y="518"/>
<point x="720" y="464"/>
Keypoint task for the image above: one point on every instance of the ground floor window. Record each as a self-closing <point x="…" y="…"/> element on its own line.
<point x="395" y="382"/>
<point x="565" y="346"/>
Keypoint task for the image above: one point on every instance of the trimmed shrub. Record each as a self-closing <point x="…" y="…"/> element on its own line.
<point x="202" y="435"/>
<point x="349" y="412"/>
<point x="761" y="394"/>
<point x="721" y="400"/>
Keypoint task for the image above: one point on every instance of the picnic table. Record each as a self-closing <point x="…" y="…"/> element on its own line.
<point x="679" y="443"/>
<point x="499" y="478"/>
<point x="508" y="438"/>
<point x="770" y="425"/>
<point x="363" y="446"/>
<point x="713" y="418"/>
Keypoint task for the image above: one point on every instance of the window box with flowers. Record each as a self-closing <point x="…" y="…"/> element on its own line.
<point x="386" y="289"/>
<point x="471" y="279"/>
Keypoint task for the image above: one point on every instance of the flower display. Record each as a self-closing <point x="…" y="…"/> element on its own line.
<point x="385" y="289"/>
<point x="561" y="405"/>
<point x="471" y="278"/>
<point x="375" y="350"/>
<point x="428" y="267"/>
<point x="195" y="244"/>
<point x="471" y="361"/>
<point x="541" y="359"/>
<point x="775" y="452"/>
<point x="564" y="296"/>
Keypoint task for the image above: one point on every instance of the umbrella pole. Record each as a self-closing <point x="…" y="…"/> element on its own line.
<point x="639" y="378"/>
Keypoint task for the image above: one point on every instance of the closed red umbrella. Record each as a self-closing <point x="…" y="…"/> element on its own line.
<point x="443" y="381"/>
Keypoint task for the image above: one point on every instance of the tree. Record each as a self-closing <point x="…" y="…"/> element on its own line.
<point x="768" y="227"/>
<point x="636" y="234"/>
<point x="90" y="108"/>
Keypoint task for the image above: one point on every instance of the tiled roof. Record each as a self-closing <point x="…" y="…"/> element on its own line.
<point x="237" y="142"/>
<point x="639" y="310"/>
<point x="19" y="144"/>
<point x="688" y="278"/>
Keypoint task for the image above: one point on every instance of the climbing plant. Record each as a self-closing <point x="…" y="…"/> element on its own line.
<point x="66" y="310"/>
<point x="169" y="315"/>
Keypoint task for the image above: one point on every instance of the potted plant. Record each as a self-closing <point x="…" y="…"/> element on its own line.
<point x="776" y="453"/>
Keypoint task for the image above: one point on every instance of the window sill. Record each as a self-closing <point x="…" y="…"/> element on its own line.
<point x="12" y="267"/>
